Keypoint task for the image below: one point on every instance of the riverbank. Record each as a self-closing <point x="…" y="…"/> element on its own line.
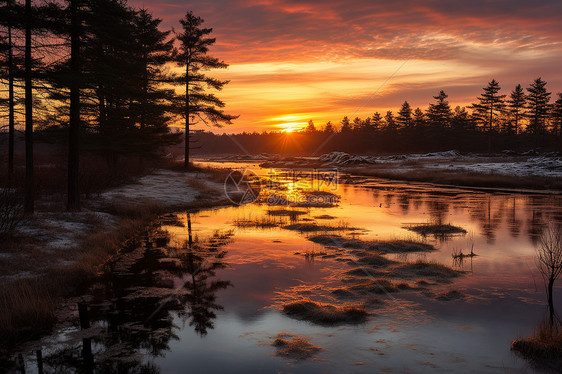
<point x="53" y="253"/>
<point x="504" y="171"/>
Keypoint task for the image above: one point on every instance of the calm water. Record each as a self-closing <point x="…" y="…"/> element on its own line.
<point x="199" y="293"/>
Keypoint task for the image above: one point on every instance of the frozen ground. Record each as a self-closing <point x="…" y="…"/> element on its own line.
<point x="57" y="233"/>
<point x="166" y="187"/>
<point x="548" y="165"/>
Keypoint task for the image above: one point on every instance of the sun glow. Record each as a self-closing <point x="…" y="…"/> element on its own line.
<point x="288" y="123"/>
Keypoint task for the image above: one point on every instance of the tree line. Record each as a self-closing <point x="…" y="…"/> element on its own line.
<point x="525" y="119"/>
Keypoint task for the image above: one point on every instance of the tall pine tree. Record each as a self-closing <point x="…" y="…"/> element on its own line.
<point x="439" y="114"/>
<point x="198" y="103"/>
<point x="490" y="105"/>
<point x="516" y="105"/>
<point x="537" y="106"/>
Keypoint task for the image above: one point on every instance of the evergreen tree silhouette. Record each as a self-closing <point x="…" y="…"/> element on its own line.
<point x="194" y="43"/>
<point x="516" y="104"/>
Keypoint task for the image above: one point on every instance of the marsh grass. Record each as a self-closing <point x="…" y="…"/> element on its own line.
<point x="325" y="314"/>
<point x="261" y="222"/>
<point x="435" y="229"/>
<point x="544" y="348"/>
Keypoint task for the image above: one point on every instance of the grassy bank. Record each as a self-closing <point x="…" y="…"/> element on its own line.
<point x="30" y="298"/>
<point x="463" y="178"/>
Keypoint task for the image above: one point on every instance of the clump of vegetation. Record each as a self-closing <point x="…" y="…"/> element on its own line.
<point x="325" y="314"/>
<point x="396" y="246"/>
<point x="435" y="229"/>
<point x="297" y="348"/>
<point x="313" y="227"/>
<point x="426" y="269"/>
<point x="544" y="348"/>
<point x="325" y="216"/>
<point x="264" y="222"/>
<point x="286" y="213"/>
<point x="375" y="260"/>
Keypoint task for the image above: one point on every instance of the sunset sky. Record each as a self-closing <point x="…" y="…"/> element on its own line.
<point x="292" y="61"/>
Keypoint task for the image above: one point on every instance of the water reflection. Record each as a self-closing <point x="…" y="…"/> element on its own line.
<point x="132" y="306"/>
<point x="175" y="283"/>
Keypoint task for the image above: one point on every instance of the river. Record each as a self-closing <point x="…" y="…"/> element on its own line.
<point x="204" y="291"/>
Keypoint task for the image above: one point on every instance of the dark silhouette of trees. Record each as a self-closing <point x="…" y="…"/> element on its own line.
<point x="404" y="118"/>
<point x="390" y="122"/>
<point x="194" y="43"/>
<point x="419" y="118"/>
<point x="516" y="105"/>
<point x="8" y="19"/>
<point x="73" y="195"/>
<point x="376" y="121"/>
<point x="310" y="128"/>
<point x="556" y="115"/>
<point x="29" y="204"/>
<point x="537" y="106"/>
<point x="439" y="114"/>
<point x="490" y="105"/>
<point x="345" y="126"/>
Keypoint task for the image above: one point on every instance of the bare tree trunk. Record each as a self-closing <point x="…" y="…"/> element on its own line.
<point x="550" y="300"/>
<point x="74" y="128"/>
<point x="11" y="121"/>
<point x="186" y="160"/>
<point x="29" y="193"/>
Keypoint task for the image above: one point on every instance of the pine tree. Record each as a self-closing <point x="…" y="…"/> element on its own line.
<point x="151" y="104"/>
<point x="7" y="50"/>
<point x="537" y="106"/>
<point x="194" y="43"/>
<point x="310" y="128"/>
<point x="516" y="104"/>
<point x="461" y="118"/>
<point x="439" y="115"/>
<point x="345" y="125"/>
<point x="419" y="118"/>
<point x="490" y="105"/>
<point x="357" y="124"/>
<point x="404" y="118"/>
<point x="329" y="128"/>
<point x="556" y="115"/>
<point x="376" y="121"/>
<point x="390" y="121"/>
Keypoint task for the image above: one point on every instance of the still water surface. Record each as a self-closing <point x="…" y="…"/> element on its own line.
<point x="203" y="292"/>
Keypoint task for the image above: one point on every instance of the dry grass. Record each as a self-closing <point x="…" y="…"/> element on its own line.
<point x="325" y="314"/>
<point x="544" y="348"/>
<point x="28" y="305"/>
<point x="263" y="223"/>
<point x="395" y="246"/>
<point x="432" y="270"/>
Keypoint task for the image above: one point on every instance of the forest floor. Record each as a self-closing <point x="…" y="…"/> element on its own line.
<point x="53" y="253"/>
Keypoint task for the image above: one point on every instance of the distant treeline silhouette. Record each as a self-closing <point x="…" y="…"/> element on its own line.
<point x="98" y="75"/>
<point x="522" y="121"/>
